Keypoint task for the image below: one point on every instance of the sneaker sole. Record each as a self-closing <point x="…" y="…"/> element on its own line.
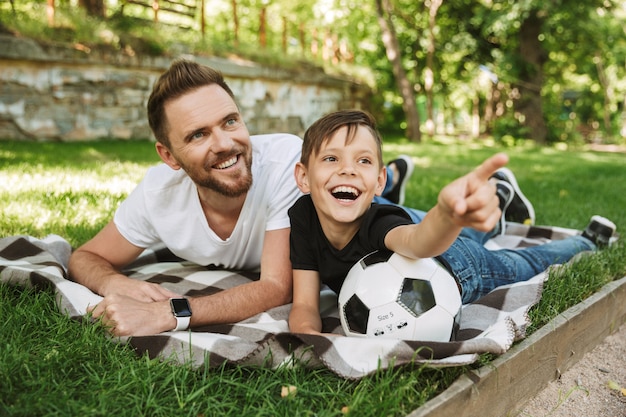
<point x="407" y="175"/>
<point x="510" y="177"/>
<point x="506" y="204"/>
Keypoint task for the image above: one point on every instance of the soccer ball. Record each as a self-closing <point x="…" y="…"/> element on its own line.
<point x="389" y="295"/>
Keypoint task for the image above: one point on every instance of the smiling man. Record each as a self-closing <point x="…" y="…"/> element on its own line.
<point x="204" y="205"/>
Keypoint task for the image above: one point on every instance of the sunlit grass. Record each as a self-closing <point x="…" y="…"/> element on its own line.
<point x="51" y="365"/>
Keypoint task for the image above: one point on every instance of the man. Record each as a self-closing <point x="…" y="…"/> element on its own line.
<point x="221" y="198"/>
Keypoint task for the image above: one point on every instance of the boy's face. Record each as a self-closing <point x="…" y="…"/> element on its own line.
<point x="343" y="178"/>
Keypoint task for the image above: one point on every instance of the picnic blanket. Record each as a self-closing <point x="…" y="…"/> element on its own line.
<point x="491" y="324"/>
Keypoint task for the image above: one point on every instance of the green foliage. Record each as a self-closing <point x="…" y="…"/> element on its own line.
<point x="507" y="129"/>
<point x="584" y="47"/>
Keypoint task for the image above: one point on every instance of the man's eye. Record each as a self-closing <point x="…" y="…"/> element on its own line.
<point x="231" y="122"/>
<point x="197" y="135"/>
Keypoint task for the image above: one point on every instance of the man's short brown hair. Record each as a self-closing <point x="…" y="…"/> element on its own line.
<point x="182" y="77"/>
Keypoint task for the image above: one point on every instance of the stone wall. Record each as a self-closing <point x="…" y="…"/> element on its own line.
<point x="66" y="94"/>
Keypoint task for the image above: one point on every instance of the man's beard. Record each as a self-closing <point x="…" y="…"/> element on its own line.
<point x="227" y="189"/>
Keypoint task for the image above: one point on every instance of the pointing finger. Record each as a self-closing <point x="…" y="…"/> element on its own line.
<point x="490" y="165"/>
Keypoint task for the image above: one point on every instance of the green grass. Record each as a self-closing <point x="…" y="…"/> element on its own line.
<point x="51" y="365"/>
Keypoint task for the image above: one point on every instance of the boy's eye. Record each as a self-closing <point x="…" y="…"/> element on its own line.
<point x="329" y="159"/>
<point x="365" y="161"/>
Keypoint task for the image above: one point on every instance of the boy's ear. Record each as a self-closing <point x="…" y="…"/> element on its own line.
<point x="166" y="156"/>
<point x="302" y="178"/>
<point x="382" y="180"/>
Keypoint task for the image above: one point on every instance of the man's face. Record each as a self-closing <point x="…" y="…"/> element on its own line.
<point x="209" y="141"/>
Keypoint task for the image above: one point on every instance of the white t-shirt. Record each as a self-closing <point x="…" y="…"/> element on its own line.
<point x="165" y="208"/>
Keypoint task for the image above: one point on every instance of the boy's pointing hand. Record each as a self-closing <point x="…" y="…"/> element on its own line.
<point x="471" y="200"/>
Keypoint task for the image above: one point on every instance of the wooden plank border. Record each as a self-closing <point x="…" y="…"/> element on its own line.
<point x="502" y="387"/>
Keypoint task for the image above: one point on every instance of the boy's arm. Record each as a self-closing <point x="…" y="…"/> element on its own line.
<point x="469" y="201"/>
<point x="305" y="311"/>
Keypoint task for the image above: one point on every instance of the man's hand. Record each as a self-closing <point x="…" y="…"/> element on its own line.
<point x="126" y="316"/>
<point x="139" y="290"/>
<point x="471" y="200"/>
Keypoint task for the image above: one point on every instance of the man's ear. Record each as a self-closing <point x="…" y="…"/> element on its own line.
<point x="302" y="178"/>
<point x="166" y="156"/>
<point x="382" y="180"/>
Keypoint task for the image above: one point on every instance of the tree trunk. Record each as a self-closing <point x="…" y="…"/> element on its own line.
<point x="235" y="22"/>
<point x="93" y="7"/>
<point x="202" y="19"/>
<point x="429" y="78"/>
<point x="285" y="34"/>
<point x="532" y="56"/>
<point x="262" y="28"/>
<point x="50" y="10"/>
<point x="606" y="92"/>
<point x="302" y="37"/>
<point x="392" y="47"/>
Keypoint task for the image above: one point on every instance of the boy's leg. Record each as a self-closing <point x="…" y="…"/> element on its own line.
<point x="393" y="193"/>
<point x="479" y="270"/>
<point x="398" y="173"/>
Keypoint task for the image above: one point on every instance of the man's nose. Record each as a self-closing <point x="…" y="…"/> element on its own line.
<point x="221" y="142"/>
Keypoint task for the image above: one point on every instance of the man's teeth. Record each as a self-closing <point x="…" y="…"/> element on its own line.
<point x="227" y="163"/>
<point x="345" y="193"/>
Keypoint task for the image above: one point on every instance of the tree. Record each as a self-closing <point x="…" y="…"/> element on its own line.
<point x="541" y="42"/>
<point x="93" y="7"/>
<point x="429" y="75"/>
<point x="394" y="54"/>
<point x="532" y="57"/>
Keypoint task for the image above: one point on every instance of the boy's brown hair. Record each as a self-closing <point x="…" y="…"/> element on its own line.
<point x="182" y="77"/>
<point x="324" y="128"/>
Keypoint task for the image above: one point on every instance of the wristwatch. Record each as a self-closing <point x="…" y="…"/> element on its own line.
<point x="182" y="312"/>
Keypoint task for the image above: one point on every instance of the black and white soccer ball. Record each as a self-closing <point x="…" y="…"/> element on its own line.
<point x="391" y="296"/>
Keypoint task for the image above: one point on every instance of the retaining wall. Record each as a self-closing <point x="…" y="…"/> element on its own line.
<point x="60" y="93"/>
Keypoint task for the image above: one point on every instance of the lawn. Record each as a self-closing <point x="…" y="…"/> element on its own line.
<point x="51" y="365"/>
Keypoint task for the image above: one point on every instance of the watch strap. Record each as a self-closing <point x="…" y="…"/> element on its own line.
<point x="182" y="323"/>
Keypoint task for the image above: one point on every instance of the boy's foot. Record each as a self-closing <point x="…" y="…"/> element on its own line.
<point x="505" y="194"/>
<point x="520" y="210"/>
<point x="404" y="167"/>
<point x="599" y="231"/>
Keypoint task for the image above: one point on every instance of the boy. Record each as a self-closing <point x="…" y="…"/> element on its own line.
<point x="335" y="224"/>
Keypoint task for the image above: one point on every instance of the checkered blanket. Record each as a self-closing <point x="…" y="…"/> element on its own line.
<point x="490" y="324"/>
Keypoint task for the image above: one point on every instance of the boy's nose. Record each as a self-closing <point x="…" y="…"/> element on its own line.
<point x="347" y="168"/>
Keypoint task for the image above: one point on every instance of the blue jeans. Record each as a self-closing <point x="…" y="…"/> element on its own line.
<point x="479" y="270"/>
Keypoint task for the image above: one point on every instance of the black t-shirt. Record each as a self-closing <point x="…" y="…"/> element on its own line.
<point x="310" y="250"/>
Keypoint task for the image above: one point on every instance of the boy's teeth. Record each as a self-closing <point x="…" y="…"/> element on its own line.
<point x="345" y="189"/>
<point x="345" y="193"/>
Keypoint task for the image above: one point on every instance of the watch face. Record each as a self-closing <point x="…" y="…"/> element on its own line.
<point x="180" y="307"/>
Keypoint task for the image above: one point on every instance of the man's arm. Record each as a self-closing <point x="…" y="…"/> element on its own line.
<point x="127" y="316"/>
<point x="243" y="301"/>
<point x="305" y="312"/>
<point x="96" y="265"/>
